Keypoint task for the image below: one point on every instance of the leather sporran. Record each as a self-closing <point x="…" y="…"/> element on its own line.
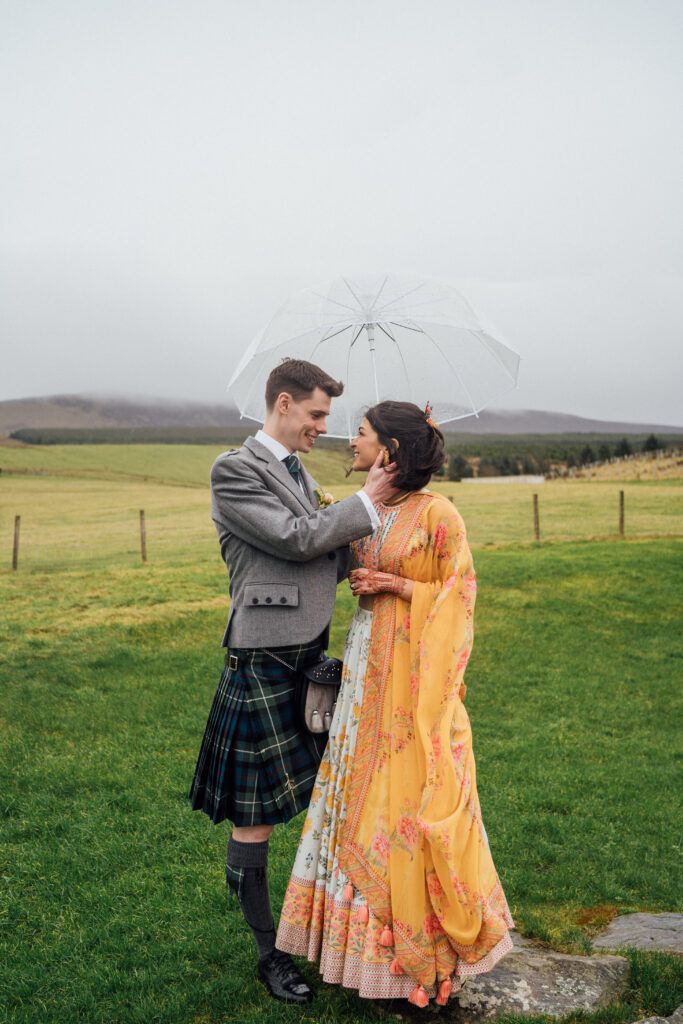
<point x="316" y="692"/>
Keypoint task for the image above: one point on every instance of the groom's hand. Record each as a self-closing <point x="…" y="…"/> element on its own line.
<point x="379" y="485"/>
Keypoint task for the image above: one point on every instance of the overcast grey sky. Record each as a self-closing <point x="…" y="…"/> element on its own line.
<point x="171" y="171"/>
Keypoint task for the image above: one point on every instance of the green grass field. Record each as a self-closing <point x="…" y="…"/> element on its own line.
<point x="113" y="905"/>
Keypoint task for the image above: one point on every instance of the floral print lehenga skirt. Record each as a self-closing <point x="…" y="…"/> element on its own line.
<point x="318" y="920"/>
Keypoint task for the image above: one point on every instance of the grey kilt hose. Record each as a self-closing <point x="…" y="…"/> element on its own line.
<point x="256" y="766"/>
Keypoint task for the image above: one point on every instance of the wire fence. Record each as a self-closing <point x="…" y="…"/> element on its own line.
<point x="68" y="533"/>
<point x="40" y="545"/>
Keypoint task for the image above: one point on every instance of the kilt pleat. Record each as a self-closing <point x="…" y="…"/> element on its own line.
<point x="255" y="765"/>
<point x="220" y="729"/>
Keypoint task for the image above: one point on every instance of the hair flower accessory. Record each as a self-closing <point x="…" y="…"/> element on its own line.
<point x="324" y="497"/>
<point x="428" y="416"/>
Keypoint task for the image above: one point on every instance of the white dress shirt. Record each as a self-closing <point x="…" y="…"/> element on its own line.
<point x="281" y="453"/>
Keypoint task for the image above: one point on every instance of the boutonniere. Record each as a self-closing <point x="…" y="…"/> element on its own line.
<point x="324" y="497"/>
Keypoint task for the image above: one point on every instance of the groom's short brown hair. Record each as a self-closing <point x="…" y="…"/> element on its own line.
<point x="299" y="379"/>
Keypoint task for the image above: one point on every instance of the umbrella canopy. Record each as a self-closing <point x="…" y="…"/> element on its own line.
<point x="389" y="336"/>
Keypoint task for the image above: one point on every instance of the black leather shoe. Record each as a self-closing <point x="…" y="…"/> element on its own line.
<point x="281" y="978"/>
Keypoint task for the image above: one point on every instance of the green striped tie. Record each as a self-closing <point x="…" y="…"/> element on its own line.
<point x="292" y="464"/>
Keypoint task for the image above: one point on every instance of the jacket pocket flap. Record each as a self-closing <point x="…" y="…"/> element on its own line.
<point x="271" y="595"/>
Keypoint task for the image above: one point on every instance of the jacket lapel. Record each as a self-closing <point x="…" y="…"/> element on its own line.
<point x="281" y="473"/>
<point x="310" y="485"/>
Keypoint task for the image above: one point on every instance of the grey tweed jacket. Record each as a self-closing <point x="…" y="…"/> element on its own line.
<point x="284" y="555"/>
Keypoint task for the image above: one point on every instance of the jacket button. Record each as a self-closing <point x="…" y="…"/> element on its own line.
<point x="331" y="555"/>
<point x="283" y="600"/>
<point x="269" y="600"/>
<point x="254" y="600"/>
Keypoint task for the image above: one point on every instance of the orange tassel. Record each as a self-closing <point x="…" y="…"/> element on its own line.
<point x="418" y="997"/>
<point x="395" y="967"/>
<point x="444" y="992"/>
<point x="387" y="936"/>
<point x="348" y="891"/>
<point x="362" y="915"/>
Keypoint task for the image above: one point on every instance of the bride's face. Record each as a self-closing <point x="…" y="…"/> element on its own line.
<point x="365" y="447"/>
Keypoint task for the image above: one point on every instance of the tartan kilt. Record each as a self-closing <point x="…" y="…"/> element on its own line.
<point x="256" y="766"/>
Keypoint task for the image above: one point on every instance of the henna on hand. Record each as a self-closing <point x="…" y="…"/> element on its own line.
<point x="367" y="581"/>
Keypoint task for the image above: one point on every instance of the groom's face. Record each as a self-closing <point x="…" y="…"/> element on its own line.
<point x="301" y="423"/>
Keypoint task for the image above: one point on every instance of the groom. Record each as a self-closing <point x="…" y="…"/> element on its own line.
<point x="285" y="556"/>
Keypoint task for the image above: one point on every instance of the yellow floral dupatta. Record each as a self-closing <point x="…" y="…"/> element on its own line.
<point x="413" y="842"/>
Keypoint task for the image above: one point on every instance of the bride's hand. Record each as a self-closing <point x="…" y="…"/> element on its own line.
<point x="367" y="581"/>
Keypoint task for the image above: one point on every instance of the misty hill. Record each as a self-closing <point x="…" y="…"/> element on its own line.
<point x="100" y="412"/>
<point x="90" y="412"/>
<point x="533" y="421"/>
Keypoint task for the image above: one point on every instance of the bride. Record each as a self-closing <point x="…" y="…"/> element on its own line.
<point x="393" y="888"/>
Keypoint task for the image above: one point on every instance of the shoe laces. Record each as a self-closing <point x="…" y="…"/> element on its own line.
<point x="283" y="968"/>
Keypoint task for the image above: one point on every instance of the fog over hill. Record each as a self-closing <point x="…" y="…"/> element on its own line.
<point x="93" y="411"/>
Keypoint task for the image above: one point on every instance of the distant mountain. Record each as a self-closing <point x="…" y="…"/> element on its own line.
<point x="88" y="412"/>
<point x="533" y="421"/>
<point x="92" y="412"/>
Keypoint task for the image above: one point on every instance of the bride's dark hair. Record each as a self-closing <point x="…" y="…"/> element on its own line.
<point x="420" y="450"/>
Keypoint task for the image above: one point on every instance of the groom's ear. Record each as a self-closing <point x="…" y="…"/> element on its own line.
<point x="283" y="402"/>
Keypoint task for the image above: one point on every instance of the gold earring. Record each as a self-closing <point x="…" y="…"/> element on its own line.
<point x="385" y="460"/>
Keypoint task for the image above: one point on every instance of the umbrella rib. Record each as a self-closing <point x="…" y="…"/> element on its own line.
<point x="356" y="297"/>
<point x="327" y="337"/>
<point x="249" y="392"/>
<point x="333" y="334"/>
<point x="480" y="336"/>
<point x="400" y="356"/>
<point x="379" y="292"/>
<point x="484" y="340"/>
<point x="431" y="301"/>
<point x="358" y="334"/>
<point x="407" y="326"/>
<point x="455" y="371"/>
<point x="358" y="302"/>
<point x="416" y="305"/>
<point x="397" y="298"/>
<point x="335" y="302"/>
<point x="383" y="327"/>
<point x="300" y="334"/>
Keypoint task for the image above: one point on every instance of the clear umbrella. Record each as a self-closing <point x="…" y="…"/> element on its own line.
<point x="388" y="336"/>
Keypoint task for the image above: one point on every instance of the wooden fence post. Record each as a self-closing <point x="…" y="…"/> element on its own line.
<point x="537" y="528"/>
<point x="143" y="536"/>
<point x="621" y="513"/>
<point x="15" y="550"/>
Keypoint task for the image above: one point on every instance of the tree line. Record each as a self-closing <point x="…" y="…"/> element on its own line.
<point x="468" y="454"/>
<point x="536" y="456"/>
